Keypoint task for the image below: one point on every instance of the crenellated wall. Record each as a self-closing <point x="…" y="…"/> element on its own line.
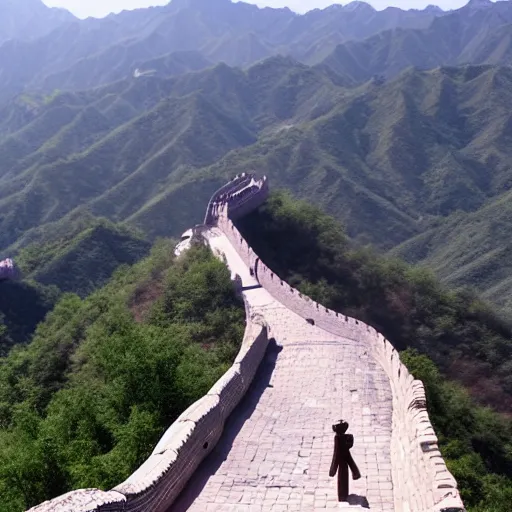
<point x="229" y="187"/>
<point x="421" y="479"/>
<point x="242" y="195"/>
<point x="157" y="483"/>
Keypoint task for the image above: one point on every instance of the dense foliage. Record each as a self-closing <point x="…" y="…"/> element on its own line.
<point x="22" y="306"/>
<point x="476" y="442"/>
<point x="460" y="333"/>
<point x="84" y="258"/>
<point x="84" y="404"/>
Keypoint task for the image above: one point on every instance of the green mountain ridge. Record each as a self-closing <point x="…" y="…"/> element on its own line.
<point x="462" y="37"/>
<point x="469" y="250"/>
<point x="139" y="140"/>
<point x="77" y="254"/>
<point x="396" y="148"/>
<point x="184" y="36"/>
<point x="84" y="262"/>
<point x="387" y="159"/>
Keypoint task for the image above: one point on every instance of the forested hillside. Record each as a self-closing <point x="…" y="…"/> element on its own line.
<point x="84" y="404"/>
<point x="403" y="156"/>
<point x="391" y="160"/>
<point x="83" y="258"/>
<point x="468" y="342"/>
<point x="130" y="150"/>
<point x="22" y="307"/>
<point x="78" y="254"/>
<point x="116" y="131"/>
<point x="469" y="250"/>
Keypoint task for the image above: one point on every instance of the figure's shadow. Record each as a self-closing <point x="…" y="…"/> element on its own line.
<point x="234" y="424"/>
<point x="355" y="499"/>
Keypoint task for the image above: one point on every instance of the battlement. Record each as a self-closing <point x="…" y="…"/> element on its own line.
<point x="421" y="481"/>
<point x="157" y="483"/>
<point x="241" y="195"/>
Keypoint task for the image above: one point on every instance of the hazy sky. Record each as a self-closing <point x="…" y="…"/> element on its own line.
<point x="98" y="8"/>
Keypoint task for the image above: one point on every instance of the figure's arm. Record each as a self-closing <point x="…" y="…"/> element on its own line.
<point x="334" y="464"/>
<point x="356" y="474"/>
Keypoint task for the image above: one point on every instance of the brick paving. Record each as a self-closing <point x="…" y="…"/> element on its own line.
<point x="276" y="449"/>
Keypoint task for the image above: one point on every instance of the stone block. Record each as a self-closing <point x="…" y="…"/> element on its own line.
<point x="84" y="500"/>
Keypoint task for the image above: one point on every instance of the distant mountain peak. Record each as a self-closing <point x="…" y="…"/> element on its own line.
<point x="199" y="4"/>
<point x="433" y="8"/>
<point x="479" y="4"/>
<point x="29" y="19"/>
<point x="357" y="5"/>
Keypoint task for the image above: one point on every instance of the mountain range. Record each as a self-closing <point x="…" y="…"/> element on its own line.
<point x="80" y="254"/>
<point x="27" y="20"/>
<point x="115" y="132"/>
<point x="355" y="41"/>
<point x="183" y="35"/>
<point x="396" y="122"/>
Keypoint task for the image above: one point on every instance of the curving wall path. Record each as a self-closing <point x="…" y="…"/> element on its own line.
<point x="261" y="439"/>
<point x="421" y="481"/>
<point x="276" y="450"/>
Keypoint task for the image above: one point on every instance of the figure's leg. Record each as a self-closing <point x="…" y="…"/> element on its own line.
<point x="343" y="482"/>
<point x="356" y="474"/>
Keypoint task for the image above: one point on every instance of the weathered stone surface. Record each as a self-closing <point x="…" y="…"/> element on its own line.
<point x="277" y="446"/>
<point x="416" y="476"/>
<point x="85" y="500"/>
<point x="276" y="449"/>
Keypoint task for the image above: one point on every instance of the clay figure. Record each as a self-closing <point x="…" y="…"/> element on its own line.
<point x="342" y="459"/>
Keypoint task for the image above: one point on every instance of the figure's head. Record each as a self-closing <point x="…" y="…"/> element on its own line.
<point x="341" y="427"/>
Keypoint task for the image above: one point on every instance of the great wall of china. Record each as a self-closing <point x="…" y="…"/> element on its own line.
<point x="301" y="367"/>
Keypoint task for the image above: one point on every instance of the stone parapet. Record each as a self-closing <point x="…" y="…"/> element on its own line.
<point x="84" y="500"/>
<point x="421" y="480"/>
<point x="235" y="184"/>
<point x="241" y="196"/>
<point x="158" y="481"/>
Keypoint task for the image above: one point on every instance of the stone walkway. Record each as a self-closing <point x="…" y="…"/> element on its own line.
<point x="276" y="450"/>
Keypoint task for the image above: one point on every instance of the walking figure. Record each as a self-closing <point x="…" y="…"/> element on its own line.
<point x="342" y="459"/>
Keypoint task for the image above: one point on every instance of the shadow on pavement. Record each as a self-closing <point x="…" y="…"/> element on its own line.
<point x="233" y="425"/>
<point x="355" y="499"/>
